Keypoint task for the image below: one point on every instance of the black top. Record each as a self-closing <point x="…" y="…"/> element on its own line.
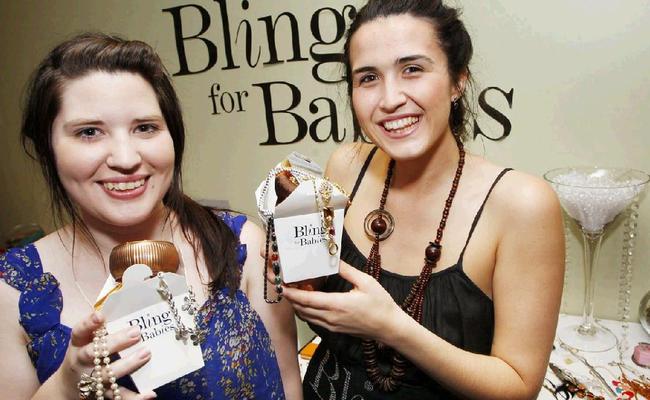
<point x="454" y="308"/>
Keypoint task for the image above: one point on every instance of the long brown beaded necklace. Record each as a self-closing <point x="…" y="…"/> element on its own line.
<point x="379" y="224"/>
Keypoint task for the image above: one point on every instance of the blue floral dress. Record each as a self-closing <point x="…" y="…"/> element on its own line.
<point x="239" y="359"/>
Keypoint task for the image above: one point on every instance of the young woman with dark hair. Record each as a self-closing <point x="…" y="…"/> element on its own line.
<point x="104" y="122"/>
<point x="452" y="267"/>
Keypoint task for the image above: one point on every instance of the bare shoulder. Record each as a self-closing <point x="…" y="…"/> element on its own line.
<point x="517" y="194"/>
<point x="528" y="194"/>
<point x="525" y="198"/>
<point x="251" y="233"/>
<point x="345" y="163"/>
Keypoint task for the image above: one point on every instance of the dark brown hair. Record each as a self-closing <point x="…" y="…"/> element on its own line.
<point x="92" y="52"/>
<point x="450" y="33"/>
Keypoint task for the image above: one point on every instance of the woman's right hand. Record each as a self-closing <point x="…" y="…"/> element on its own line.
<point x="80" y="356"/>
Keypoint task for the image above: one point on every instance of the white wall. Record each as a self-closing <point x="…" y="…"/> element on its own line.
<point x="579" y="70"/>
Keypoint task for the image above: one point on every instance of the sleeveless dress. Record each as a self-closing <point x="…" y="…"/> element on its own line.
<point x="454" y="308"/>
<point x="240" y="362"/>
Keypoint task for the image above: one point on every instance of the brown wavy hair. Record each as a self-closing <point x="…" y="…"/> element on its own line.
<point x="450" y="33"/>
<point x="90" y="52"/>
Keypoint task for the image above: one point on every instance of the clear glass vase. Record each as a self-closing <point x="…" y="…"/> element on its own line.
<point x="593" y="198"/>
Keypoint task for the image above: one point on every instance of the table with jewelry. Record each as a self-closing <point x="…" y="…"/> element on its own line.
<point x="611" y="374"/>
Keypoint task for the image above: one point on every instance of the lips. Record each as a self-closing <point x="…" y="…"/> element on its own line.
<point x="400" y="127"/>
<point x="402" y="123"/>
<point x="124" y="186"/>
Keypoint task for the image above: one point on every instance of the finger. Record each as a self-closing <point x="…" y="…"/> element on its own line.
<point x="125" y="366"/>
<point x="308" y="298"/>
<point x="127" y="394"/>
<point x="310" y="315"/>
<point x="82" y="333"/>
<point x="354" y="276"/>
<point x="115" y="342"/>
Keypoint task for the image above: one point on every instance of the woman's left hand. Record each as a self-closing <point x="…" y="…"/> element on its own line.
<point x="366" y="311"/>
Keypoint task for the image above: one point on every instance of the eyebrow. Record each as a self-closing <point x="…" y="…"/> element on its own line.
<point x="399" y="61"/>
<point x="416" y="57"/>
<point x="81" y="121"/>
<point x="149" y="118"/>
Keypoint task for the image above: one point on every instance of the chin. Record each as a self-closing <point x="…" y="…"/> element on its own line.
<point x="129" y="217"/>
<point x="405" y="151"/>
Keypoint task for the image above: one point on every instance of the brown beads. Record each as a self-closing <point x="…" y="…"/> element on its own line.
<point x="432" y="253"/>
<point x="379" y="225"/>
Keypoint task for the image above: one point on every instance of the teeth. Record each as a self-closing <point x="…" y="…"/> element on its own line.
<point x="400" y="123"/>
<point x="124" y="185"/>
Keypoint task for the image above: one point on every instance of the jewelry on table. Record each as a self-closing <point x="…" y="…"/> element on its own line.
<point x="182" y="331"/>
<point x="591" y="368"/>
<point x="641" y="385"/>
<point x="381" y="224"/>
<point x="570" y="385"/>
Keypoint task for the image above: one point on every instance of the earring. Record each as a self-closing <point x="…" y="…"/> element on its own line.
<point x="454" y="103"/>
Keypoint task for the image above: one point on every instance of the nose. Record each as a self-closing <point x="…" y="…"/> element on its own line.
<point x="393" y="96"/>
<point x="123" y="153"/>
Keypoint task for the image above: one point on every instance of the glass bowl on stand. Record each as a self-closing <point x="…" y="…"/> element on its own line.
<point x="593" y="197"/>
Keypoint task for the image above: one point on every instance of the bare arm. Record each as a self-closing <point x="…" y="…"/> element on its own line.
<point x="530" y="257"/>
<point x="527" y="287"/>
<point x="277" y="318"/>
<point x="19" y="381"/>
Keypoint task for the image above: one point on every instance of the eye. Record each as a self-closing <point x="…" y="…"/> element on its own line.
<point x="146" y="128"/>
<point x="412" y="69"/>
<point x="367" y="78"/>
<point x="88" y="133"/>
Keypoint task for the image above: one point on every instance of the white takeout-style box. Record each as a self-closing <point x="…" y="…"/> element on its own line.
<point x="138" y="303"/>
<point x="302" y="241"/>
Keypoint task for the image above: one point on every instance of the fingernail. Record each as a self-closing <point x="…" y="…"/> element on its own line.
<point x="144" y="354"/>
<point x="134" y="332"/>
<point x="96" y="317"/>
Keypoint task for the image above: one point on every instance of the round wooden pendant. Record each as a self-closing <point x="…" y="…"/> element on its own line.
<point x="379" y="222"/>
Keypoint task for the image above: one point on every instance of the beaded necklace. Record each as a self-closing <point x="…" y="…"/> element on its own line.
<point x="379" y="225"/>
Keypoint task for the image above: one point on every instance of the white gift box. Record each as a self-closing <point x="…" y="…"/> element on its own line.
<point x="138" y="303"/>
<point x="301" y="238"/>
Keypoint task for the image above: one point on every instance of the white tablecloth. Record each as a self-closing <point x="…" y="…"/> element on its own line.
<point x="600" y="361"/>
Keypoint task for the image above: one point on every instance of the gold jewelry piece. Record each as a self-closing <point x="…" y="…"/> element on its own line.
<point x="328" y="216"/>
<point x="85" y="386"/>
<point x="323" y="196"/>
<point x="159" y="255"/>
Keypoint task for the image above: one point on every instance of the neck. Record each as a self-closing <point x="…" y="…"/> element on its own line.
<point x="437" y="165"/>
<point x="107" y="236"/>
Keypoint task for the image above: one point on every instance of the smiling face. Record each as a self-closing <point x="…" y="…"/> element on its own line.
<point x="114" y="154"/>
<point x="401" y="89"/>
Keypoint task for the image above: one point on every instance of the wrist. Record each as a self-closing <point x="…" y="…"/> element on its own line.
<point x="60" y="385"/>
<point x="396" y="327"/>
